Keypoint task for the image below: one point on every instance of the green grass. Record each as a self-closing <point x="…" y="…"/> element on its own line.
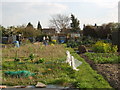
<point x="47" y="72"/>
<point x="103" y="57"/>
<point x="86" y="77"/>
<point x="53" y="70"/>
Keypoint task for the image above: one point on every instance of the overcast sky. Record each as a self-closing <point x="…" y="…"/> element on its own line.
<point x="19" y="12"/>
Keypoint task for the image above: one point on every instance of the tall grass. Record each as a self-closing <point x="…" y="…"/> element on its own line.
<point x="40" y="51"/>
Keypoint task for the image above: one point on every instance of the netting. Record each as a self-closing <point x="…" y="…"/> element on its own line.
<point x="19" y="73"/>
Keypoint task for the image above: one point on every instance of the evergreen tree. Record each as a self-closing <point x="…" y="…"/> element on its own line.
<point x="30" y="25"/>
<point x="39" y="27"/>
<point x="75" y="23"/>
<point x="30" y="31"/>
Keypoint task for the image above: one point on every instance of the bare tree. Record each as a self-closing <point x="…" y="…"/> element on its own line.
<point x="60" y="22"/>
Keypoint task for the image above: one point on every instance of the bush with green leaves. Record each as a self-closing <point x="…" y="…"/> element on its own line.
<point x="16" y="59"/>
<point x="114" y="48"/>
<point x="41" y="60"/>
<point x="80" y="41"/>
<point x="72" y="44"/>
<point x="102" y="47"/>
<point x="88" y="42"/>
<point x="103" y="57"/>
<point x="32" y="56"/>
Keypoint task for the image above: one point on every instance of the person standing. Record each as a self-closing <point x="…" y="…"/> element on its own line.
<point x="47" y="40"/>
<point x="44" y="41"/>
<point x="16" y="43"/>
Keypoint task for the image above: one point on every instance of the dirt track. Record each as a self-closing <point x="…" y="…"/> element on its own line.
<point x="111" y="72"/>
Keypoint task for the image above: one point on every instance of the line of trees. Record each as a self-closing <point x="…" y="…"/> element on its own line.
<point x="58" y="22"/>
<point x="103" y="32"/>
<point x="26" y="31"/>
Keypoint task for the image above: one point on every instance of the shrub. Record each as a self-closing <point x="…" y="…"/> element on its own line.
<point x="88" y="42"/>
<point x="16" y="59"/>
<point x="114" y="48"/>
<point x="41" y="60"/>
<point x="80" y="41"/>
<point x="31" y="56"/>
<point x="102" y="47"/>
<point x="72" y="44"/>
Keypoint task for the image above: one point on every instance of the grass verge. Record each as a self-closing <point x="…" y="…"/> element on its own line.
<point x="86" y="77"/>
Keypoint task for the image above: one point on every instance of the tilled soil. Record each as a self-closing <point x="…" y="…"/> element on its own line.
<point x="111" y="72"/>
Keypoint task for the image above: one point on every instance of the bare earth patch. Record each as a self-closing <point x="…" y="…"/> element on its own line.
<point x="110" y="72"/>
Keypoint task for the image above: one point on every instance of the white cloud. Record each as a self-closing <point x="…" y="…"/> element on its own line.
<point x="111" y="16"/>
<point x="103" y="3"/>
<point x="50" y="8"/>
<point x="100" y="3"/>
<point x="0" y="13"/>
<point x="24" y="12"/>
<point x="34" y="10"/>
